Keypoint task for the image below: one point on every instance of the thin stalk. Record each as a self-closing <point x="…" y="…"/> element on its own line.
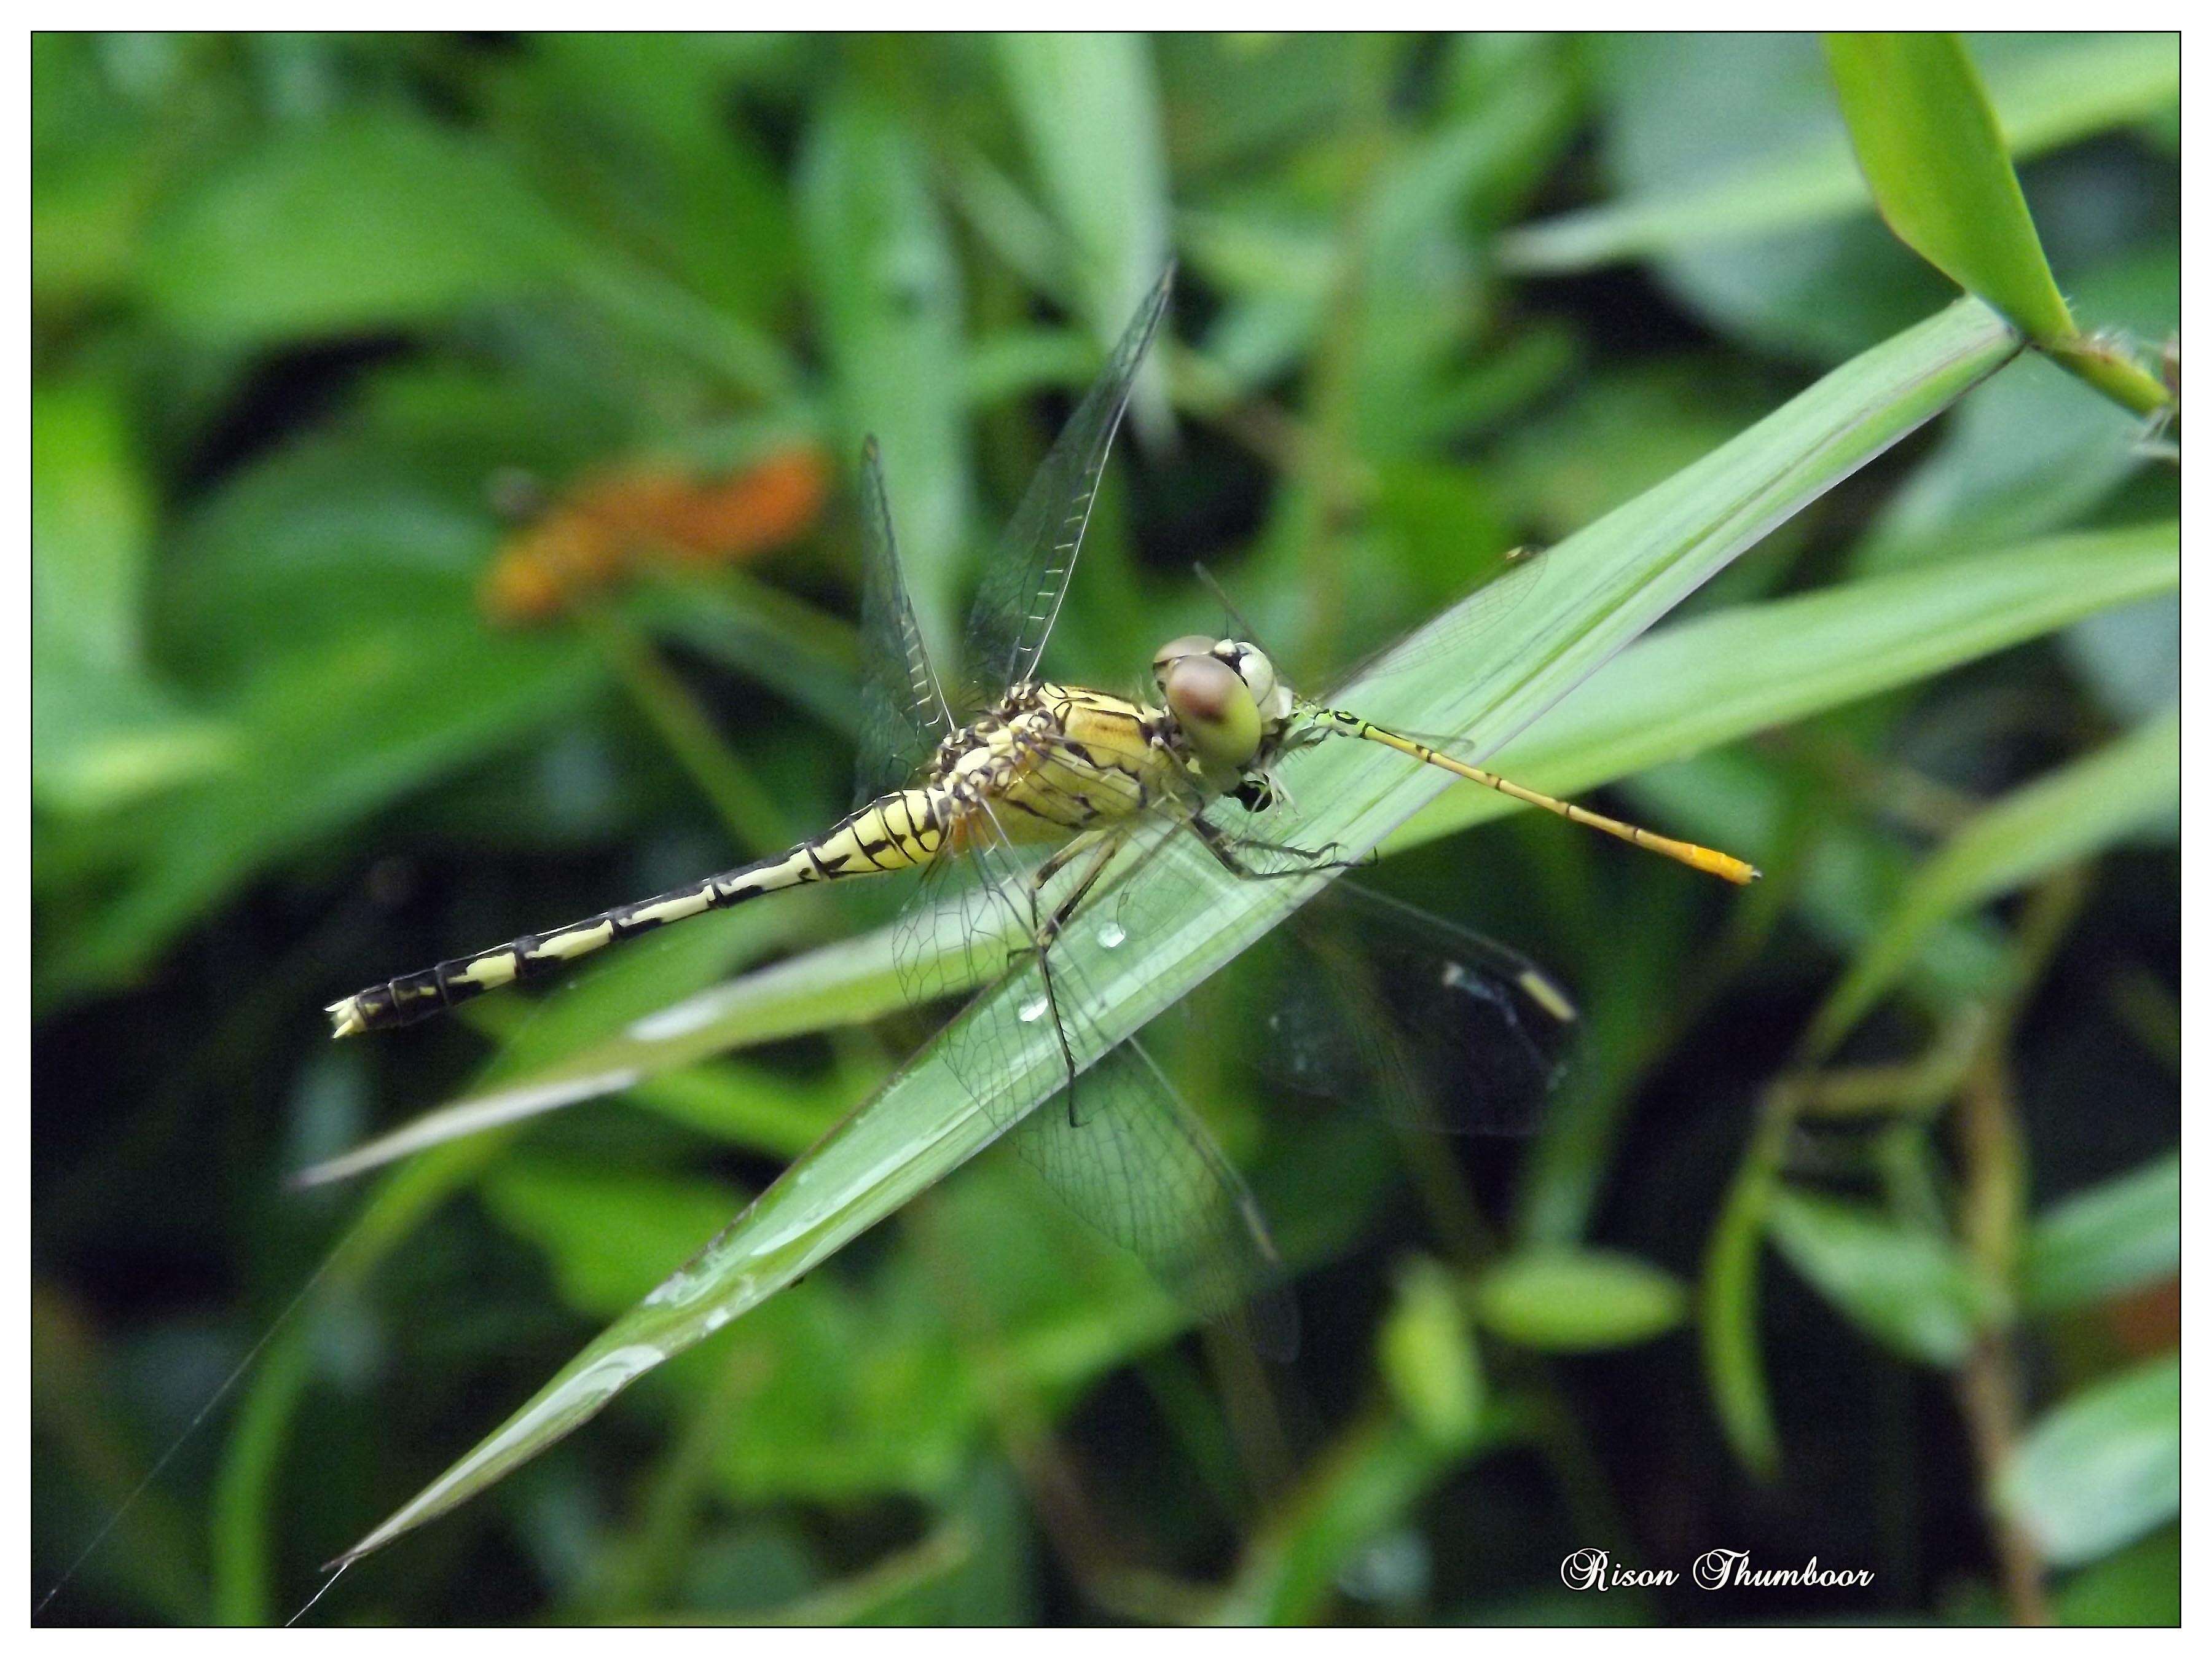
<point x="1993" y="1165"/>
<point x="2112" y="373"/>
<point x="1988" y="1384"/>
<point x="641" y="1571"/>
<point x="1329" y="464"/>
<point x="252" y="1456"/>
<point x="1095" y="1555"/>
<point x="755" y="822"/>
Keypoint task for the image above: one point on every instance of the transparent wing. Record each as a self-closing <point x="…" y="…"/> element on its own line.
<point x="1142" y="1169"/>
<point x="1362" y="998"/>
<point x="1131" y="1160"/>
<point x="955" y="935"/>
<point x="1027" y="579"/>
<point x="1369" y="1001"/>
<point x="903" y="715"/>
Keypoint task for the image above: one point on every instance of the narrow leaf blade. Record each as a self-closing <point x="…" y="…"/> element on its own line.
<point x="2102" y="1469"/>
<point x="1929" y="143"/>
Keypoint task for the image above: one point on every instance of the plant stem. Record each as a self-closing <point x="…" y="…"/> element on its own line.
<point x="1096" y="1554"/>
<point x="1327" y="489"/>
<point x="1988" y="1384"/>
<point x="641" y="1571"/>
<point x="2116" y="376"/>
<point x="753" y="819"/>
<point x="1992" y="1210"/>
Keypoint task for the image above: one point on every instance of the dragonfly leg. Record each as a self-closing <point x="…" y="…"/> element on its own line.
<point x="1062" y="856"/>
<point x="1049" y="930"/>
<point x="1058" y="1027"/>
<point x="1102" y="853"/>
<point x="1310" y="858"/>
<point x="1045" y="929"/>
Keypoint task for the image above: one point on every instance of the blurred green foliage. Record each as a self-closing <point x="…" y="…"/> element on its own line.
<point x="319" y="320"/>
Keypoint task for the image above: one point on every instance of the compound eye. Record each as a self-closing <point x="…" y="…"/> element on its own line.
<point x="1214" y="707"/>
<point x="1190" y="645"/>
<point x="1259" y="672"/>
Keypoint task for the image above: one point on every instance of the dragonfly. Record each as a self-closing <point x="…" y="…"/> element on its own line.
<point x="1016" y="814"/>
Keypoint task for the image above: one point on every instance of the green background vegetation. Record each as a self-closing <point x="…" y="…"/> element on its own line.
<point x="1853" y="1229"/>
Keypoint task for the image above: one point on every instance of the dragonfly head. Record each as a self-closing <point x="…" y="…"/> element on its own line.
<point x="1225" y="696"/>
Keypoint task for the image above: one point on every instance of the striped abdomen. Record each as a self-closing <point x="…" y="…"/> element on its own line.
<point x="896" y="832"/>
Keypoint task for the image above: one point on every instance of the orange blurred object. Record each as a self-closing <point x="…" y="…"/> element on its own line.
<point x="614" y="523"/>
<point x="2147" y="1321"/>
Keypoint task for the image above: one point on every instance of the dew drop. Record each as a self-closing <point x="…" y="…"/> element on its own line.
<point x="1113" y="934"/>
<point x="678" y="1288"/>
<point x="1035" y="1010"/>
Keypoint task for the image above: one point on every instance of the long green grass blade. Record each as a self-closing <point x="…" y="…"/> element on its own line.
<point x="1607" y="585"/>
<point x="2078" y="810"/>
<point x="2112" y="1238"/>
<point x="1723" y="677"/>
<point x="1090" y="110"/>
<point x="2103" y="1469"/>
<point x="1708" y="682"/>
<point x="2045" y="100"/>
<point x="1688" y="688"/>
<point x="1932" y="153"/>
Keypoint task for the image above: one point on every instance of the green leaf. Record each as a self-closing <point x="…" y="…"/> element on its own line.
<point x="1605" y="585"/>
<point x="1931" y="150"/>
<point x="1929" y="143"/>
<point x="890" y="290"/>
<point x="376" y="221"/>
<point x="610" y="1234"/>
<point x="2102" y="1469"/>
<point x="1572" y="1301"/>
<point x="105" y="731"/>
<point x="2107" y="1240"/>
<point x="1090" y="110"/>
<point x="1721" y="676"/>
<point x="1913" y="1291"/>
<point x="2057" y="95"/>
<point x="1429" y="1359"/>
<point x="2079" y="809"/>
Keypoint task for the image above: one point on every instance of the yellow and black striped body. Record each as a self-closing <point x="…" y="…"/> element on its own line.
<point x="1052" y="761"/>
<point x="1047" y="764"/>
